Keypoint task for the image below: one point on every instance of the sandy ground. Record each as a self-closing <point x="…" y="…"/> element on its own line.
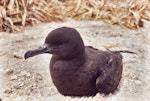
<point x="29" y="80"/>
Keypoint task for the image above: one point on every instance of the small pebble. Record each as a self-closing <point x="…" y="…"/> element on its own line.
<point x="23" y="73"/>
<point x="14" y="77"/>
<point x="9" y="72"/>
<point x="17" y="55"/>
<point x="26" y="74"/>
<point x="17" y="86"/>
<point x="34" y="85"/>
<point x="21" y="79"/>
<point x="20" y="92"/>
<point x="138" y="82"/>
<point x="8" y="91"/>
<point x="18" y="40"/>
<point x="38" y="76"/>
<point x="21" y="84"/>
<point x="30" y="90"/>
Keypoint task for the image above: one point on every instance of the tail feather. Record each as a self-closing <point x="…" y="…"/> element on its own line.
<point x="125" y="51"/>
<point x="122" y="51"/>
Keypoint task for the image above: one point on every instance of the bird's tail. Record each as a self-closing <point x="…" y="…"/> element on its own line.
<point x="122" y="51"/>
<point x="125" y="51"/>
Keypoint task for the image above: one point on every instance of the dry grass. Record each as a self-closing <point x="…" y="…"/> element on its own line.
<point x="15" y="14"/>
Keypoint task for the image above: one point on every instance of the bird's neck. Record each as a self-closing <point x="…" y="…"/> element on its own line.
<point x="78" y="57"/>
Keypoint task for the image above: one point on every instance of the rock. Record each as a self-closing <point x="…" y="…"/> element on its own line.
<point x="30" y="90"/>
<point x="38" y="76"/>
<point x="21" y="79"/>
<point x="14" y="77"/>
<point x="20" y="92"/>
<point x="62" y="0"/>
<point x="21" y="84"/>
<point x="8" y="91"/>
<point x="34" y="85"/>
<point x="26" y="74"/>
<point x="18" y="40"/>
<point x="17" y="86"/>
<point x="17" y="55"/>
<point x="9" y="72"/>
<point x="138" y="82"/>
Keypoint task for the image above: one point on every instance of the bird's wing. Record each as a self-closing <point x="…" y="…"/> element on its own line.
<point x="111" y="74"/>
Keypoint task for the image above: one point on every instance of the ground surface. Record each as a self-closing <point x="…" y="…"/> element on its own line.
<point x="29" y="80"/>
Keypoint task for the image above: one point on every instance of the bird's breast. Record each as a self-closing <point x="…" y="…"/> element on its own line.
<point x="71" y="80"/>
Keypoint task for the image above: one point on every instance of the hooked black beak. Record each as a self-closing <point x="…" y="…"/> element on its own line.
<point x="43" y="49"/>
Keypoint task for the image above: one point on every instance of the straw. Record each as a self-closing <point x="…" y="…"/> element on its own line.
<point x="16" y="14"/>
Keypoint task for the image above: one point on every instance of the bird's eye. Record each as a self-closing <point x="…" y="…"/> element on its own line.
<point x="57" y="46"/>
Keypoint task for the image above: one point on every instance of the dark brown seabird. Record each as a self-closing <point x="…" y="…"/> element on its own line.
<point x="78" y="70"/>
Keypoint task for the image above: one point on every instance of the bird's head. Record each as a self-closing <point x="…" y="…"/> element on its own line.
<point x="62" y="43"/>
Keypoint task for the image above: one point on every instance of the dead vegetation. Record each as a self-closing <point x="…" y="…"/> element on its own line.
<point x="15" y="14"/>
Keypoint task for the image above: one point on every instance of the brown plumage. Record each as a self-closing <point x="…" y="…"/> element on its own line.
<point x="78" y="70"/>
